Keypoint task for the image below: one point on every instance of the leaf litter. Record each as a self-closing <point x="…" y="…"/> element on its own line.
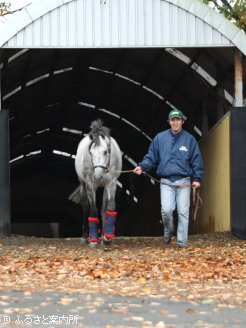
<point x="211" y="270"/>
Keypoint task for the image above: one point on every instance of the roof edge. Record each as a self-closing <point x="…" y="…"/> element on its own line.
<point x="214" y="19"/>
<point x="19" y="20"/>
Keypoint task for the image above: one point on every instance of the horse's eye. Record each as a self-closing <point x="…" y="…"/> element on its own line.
<point x="105" y="152"/>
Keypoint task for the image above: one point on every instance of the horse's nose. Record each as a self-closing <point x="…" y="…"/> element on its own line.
<point x="97" y="177"/>
<point x="98" y="174"/>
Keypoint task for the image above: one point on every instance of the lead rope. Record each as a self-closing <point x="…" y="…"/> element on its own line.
<point x="115" y="171"/>
<point x="196" y="198"/>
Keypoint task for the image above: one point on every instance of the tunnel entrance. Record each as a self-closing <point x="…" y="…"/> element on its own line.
<point x="51" y="114"/>
<point x="65" y="64"/>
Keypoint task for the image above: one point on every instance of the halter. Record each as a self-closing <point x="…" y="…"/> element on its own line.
<point x="106" y="168"/>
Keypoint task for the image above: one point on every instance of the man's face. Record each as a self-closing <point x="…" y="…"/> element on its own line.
<point x="176" y="124"/>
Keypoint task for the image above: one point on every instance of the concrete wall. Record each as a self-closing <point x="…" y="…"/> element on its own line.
<point x="214" y="215"/>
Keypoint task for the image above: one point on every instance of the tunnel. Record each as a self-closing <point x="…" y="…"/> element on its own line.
<point x="53" y="92"/>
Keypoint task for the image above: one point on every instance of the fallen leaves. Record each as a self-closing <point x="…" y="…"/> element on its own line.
<point x="213" y="267"/>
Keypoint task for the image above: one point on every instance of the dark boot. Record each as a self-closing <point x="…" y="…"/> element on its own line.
<point x="93" y="232"/>
<point x="109" y="225"/>
<point x="167" y="239"/>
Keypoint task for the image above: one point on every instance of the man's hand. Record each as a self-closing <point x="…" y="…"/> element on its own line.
<point x="138" y="170"/>
<point x="196" y="184"/>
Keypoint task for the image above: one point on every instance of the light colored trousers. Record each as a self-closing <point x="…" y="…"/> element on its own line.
<point x="172" y="196"/>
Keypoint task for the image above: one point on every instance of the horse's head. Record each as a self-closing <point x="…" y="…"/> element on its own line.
<point x="100" y="154"/>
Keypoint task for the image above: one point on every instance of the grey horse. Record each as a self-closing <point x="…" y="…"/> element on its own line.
<point x="98" y="163"/>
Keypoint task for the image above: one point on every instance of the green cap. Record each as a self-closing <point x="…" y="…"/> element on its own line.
<point x="176" y="113"/>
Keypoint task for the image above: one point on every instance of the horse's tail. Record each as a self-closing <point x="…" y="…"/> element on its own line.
<point x="76" y="195"/>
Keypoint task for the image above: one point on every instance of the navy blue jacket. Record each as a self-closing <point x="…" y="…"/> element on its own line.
<point x="174" y="156"/>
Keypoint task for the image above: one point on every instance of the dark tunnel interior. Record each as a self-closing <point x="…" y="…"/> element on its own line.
<point x="52" y="96"/>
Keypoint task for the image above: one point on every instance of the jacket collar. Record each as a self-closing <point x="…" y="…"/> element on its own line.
<point x="176" y="135"/>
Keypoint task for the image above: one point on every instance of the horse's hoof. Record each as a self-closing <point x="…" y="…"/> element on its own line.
<point x="83" y="241"/>
<point x="106" y="241"/>
<point x="93" y="245"/>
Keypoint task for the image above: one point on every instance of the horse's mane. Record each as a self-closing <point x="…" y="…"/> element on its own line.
<point x="97" y="129"/>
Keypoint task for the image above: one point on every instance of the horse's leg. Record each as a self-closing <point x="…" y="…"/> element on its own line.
<point x="93" y="217"/>
<point x="109" y="213"/>
<point x="104" y="208"/>
<point x="86" y="208"/>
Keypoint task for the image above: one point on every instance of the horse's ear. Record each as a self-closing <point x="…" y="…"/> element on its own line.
<point x="91" y="136"/>
<point x="102" y="135"/>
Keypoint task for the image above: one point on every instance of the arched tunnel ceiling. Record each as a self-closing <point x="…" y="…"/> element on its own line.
<point x="132" y="90"/>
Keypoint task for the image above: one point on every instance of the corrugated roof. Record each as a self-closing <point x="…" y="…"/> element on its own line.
<point x="122" y="23"/>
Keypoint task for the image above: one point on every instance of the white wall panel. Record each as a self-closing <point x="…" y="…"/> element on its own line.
<point x="89" y="19"/>
<point x="72" y="24"/>
<point x="191" y="31"/>
<point x="115" y="26"/>
<point x="119" y="23"/>
<point x="131" y="23"/>
<point x="216" y="37"/>
<point x="208" y="34"/>
<point x="140" y="22"/>
<point x="174" y="25"/>
<point x="199" y="32"/>
<point x="183" y="22"/>
<point x="123" y="22"/>
<point x="80" y="18"/>
<point x="157" y="26"/>
<point x="97" y="22"/>
<point x="46" y="30"/>
<point x="19" y="37"/>
<point x="148" y="23"/>
<point x="63" y="26"/>
<point x="33" y="34"/>
<point x="54" y="24"/>
<point x="106" y="24"/>
<point x="165" y="23"/>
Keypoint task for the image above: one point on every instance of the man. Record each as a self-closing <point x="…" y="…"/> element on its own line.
<point x="175" y="155"/>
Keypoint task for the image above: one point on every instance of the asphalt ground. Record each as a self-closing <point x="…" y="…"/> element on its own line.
<point x="61" y="309"/>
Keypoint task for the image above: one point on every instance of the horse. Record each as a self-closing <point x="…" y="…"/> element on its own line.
<point x="98" y="163"/>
